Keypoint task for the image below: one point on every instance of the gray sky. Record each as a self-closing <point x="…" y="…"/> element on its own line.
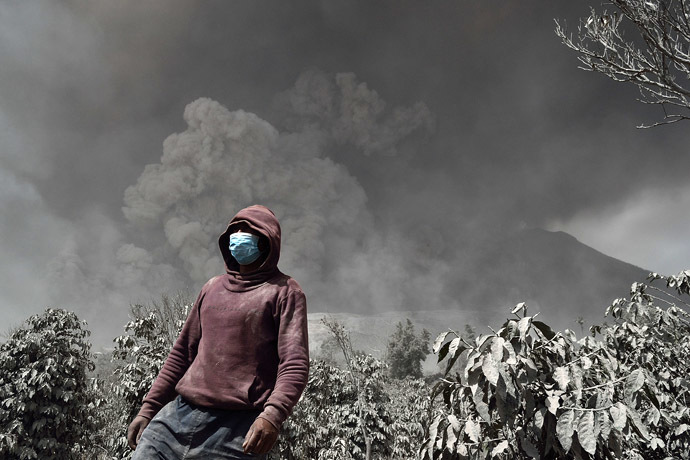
<point x="391" y="138"/>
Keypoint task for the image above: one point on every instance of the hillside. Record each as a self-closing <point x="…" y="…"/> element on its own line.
<point x="553" y="272"/>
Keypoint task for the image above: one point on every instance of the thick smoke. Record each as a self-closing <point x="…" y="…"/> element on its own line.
<point x="350" y="113"/>
<point x="226" y="160"/>
<point x="89" y="90"/>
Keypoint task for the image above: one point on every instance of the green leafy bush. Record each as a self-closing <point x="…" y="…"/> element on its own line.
<point x="46" y="403"/>
<point x="525" y="391"/>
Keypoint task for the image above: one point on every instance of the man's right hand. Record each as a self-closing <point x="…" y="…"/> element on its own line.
<point x="135" y="429"/>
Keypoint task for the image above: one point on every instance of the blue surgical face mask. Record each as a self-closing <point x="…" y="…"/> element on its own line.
<point x="244" y="247"/>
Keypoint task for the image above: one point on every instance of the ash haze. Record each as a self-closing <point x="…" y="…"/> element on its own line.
<point x="394" y="140"/>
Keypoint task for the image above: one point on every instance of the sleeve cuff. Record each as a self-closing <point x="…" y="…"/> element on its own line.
<point x="273" y="415"/>
<point x="147" y="411"/>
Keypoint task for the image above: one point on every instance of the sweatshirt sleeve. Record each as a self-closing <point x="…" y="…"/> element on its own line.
<point x="178" y="361"/>
<point x="293" y="354"/>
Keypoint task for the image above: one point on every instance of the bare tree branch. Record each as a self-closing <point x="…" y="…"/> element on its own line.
<point x="656" y="58"/>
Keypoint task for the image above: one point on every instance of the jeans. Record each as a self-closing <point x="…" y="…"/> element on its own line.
<point x="184" y="431"/>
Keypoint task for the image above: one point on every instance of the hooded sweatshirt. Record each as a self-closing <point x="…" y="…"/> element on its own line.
<point x="244" y="344"/>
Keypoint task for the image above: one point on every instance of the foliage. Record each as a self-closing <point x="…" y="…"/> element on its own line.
<point x="656" y="58"/>
<point x="356" y="413"/>
<point x="412" y="412"/>
<point x="46" y="401"/>
<point x="406" y="351"/>
<point x="526" y="391"/>
<point x="326" y="422"/>
<point x="139" y="356"/>
<point x="359" y="378"/>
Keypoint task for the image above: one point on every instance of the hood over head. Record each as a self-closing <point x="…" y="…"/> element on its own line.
<point x="261" y="219"/>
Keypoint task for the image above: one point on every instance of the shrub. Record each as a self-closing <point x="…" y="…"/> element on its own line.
<point x="525" y="391"/>
<point x="139" y="356"/>
<point x="46" y="403"/>
<point x="406" y="351"/>
<point x="326" y="422"/>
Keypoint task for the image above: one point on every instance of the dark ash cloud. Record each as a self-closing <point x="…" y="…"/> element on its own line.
<point x="434" y="127"/>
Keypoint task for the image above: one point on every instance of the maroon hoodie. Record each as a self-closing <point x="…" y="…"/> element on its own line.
<point x="244" y="344"/>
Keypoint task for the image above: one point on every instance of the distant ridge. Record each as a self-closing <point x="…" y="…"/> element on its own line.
<point x="556" y="274"/>
<point x="553" y="272"/>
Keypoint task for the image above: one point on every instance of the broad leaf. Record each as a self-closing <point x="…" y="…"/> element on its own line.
<point x="451" y="438"/>
<point x="481" y="407"/>
<point x="523" y="326"/>
<point x="443" y="352"/>
<point x="618" y="416"/>
<point x="473" y="430"/>
<point x="602" y="423"/>
<point x="439" y="340"/>
<point x="521" y="306"/>
<point x="500" y="448"/>
<point x="565" y="428"/>
<point x="553" y="403"/>
<point x="528" y="448"/>
<point x="497" y="348"/>
<point x="633" y="383"/>
<point x="637" y="424"/>
<point x="585" y="432"/>
<point x="544" y="329"/>
<point x="453" y="348"/>
<point x="454" y="422"/>
<point x="490" y="369"/>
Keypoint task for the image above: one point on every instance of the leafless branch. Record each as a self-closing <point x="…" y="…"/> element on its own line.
<point x="656" y="58"/>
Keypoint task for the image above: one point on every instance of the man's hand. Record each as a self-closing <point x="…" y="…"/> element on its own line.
<point x="135" y="429"/>
<point x="261" y="437"/>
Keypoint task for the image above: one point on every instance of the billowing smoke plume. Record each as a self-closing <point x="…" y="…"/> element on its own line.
<point x="226" y="160"/>
<point x="350" y="113"/>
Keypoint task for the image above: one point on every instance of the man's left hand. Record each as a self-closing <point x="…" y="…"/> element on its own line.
<point x="261" y="437"/>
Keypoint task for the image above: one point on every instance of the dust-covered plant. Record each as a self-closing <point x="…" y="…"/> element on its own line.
<point x="46" y="403"/>
<point x="525" y="391"/>
<point x="359" y="373"/>
<point x="139" y="355"/>
<point x="406" y="351"/>
<point x="357" y="412"/>
<point x="325" y="423"/>
<point x="655" y="56"/>
<point x="651" y="332"/>
<point x="411" y="411"/>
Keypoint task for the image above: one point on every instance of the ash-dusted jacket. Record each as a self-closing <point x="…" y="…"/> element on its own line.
<point x="244" y="344"/>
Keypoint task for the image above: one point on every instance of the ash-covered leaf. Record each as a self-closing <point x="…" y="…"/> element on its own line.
<point x="499" y="449"/>
<point x="497" y="348"/>
<point x="473" y="430"/>
<point x="553" y="403"/>
<point x="490" y="369"/>
<point x="585" y="432"/>
<point x="521" y="306"/>
<point x="602" y="423"/>
<point x="523" y="326"/>
<point x="439" y="340"/>
<point x="633" y="383"/>
<point x="562" y="376"/>
<point x="565" y="427"/>
<point x="618" y="416"/>
<point x="637" y="424"/>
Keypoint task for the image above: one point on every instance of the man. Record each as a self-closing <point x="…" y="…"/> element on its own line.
<point x="240" y="362"/>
